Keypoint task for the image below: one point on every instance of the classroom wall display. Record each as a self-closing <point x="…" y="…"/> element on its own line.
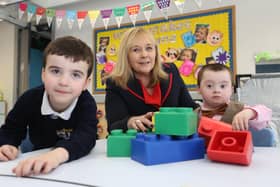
<point x="189" y="40"/>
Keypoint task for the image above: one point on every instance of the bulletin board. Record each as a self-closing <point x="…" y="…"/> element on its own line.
<point x="188" y="40"/>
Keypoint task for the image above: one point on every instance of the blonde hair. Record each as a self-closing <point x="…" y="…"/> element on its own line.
<point x="122" y="71"/>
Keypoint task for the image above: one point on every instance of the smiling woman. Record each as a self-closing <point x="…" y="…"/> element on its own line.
<point x="140" y="84"/>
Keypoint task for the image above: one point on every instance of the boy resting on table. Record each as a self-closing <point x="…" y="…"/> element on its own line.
<point x="59" y="114"/>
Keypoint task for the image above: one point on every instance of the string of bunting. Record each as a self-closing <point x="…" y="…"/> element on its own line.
<point x="118" y="13"/>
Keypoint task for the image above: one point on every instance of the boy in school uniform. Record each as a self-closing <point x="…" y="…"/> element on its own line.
<point x="60" y="114"/>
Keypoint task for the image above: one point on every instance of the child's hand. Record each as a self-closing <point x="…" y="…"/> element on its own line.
<point x="241" y="119"/>
<point x="8" y="152"/>
<point x="42" y="163"/>
<point x="141" y="122"/>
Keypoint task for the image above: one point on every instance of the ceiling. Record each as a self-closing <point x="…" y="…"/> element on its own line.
<point x="8" y="2"/>
<point x="42" y="3"/>
<point x="9" y="8"/>
<point x="54" y="3"/>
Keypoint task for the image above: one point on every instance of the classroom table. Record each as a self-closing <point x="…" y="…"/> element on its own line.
<point x="97" y="169"/>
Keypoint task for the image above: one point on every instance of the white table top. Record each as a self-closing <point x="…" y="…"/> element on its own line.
<point x="97" y="169"/>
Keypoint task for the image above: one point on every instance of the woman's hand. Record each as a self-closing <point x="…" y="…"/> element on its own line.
<point x="141" y="123"/>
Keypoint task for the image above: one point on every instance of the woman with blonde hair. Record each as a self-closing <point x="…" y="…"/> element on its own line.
<point x="140" y="84"/>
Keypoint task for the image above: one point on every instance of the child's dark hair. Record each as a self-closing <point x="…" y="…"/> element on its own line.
<point x="70" y="47"/>
<point x="213" y="67"/>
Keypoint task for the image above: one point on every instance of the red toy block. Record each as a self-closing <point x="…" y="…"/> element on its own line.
<point x="207" y="127"/>
<point x="231" y="147"/>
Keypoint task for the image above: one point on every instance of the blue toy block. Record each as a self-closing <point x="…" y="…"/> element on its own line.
<point x="179" y="121"/>
<point x="150" y="149"/>
<point x="263" y="138"/>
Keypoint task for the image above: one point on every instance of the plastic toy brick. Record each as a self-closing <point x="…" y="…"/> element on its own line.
<point x="263" y="138"/>
<point x="119" y="143"/>
<point x="151" y="149"/>
<point x="208" y="126"/>
<point x="231" y="147"/>
<point x="175" y="121"/>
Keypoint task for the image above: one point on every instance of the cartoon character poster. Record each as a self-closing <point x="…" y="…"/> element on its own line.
<point x="189" y="41"/>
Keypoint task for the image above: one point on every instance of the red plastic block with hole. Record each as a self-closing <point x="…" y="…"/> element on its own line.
<point x="231" y="147"/>
<point x="207" y="127"/>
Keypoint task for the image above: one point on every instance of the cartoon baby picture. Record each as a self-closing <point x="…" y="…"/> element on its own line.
<point x="171" y="55"/>
<point x="214" y="38"/>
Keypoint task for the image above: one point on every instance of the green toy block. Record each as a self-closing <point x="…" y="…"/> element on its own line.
<point x="118" y="143"/>
<point x="178" y="121"/>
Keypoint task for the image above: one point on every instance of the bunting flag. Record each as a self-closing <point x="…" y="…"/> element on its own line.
<point x="81" y="16"/>
<point x="39" y="13"/>
<point x="93" y="15"/>
<point x="147" y="9"/>
<point x="180" y="5"/>
<point x="71" y="15"/>
<point x="106" y="14"/>
<point x="198" y="3"/>
<point x="21" y="9"/>
<point x="133" y="12"/>
<point x="31" y="9"/>
<point x="50" y="14"/>
<point x="163" y="6"/>
<point x="219" y="1"/>
<point x="119" y="14"/>
<point x="59" y="14"/>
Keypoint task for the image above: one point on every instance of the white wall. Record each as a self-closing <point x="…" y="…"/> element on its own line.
<point x="257" y="29"/>
<point x="257" y="25"/>
<point x="8" y="67"/>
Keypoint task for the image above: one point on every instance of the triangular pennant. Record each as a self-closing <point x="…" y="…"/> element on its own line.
<point x="38" y="18"/>
<point x="180" y="5"/>
<point x="50" y="14"/>
<point x="58" y="22"/>
<point x="81" y="15"/>
<point x="21" y="9"/>
<point x="93" y="15"/>
<point x="133" y="12"/>
<point x="119" y="20"/>
<point x="106" y="22"/>
<point x="198" y="3"/>
<point x="31" y="9"/>
<point x="119" y="14"/>
<point x="71" y="15"/>
<point x="39" y="13"/>
<point x="147" y="9"/>
<point x="106" y="14"/>
<point x="164" y="6"/>
<point x="59" y="17"/>
<point x="148" y="14"/>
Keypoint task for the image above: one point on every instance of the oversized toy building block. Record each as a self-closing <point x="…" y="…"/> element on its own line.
<point x="119" y="143"/>
<point x="207" y="127"/>
<point x="150" y="149"/>
<point x="175" y="121"/>
<point x="231" y="147"/>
